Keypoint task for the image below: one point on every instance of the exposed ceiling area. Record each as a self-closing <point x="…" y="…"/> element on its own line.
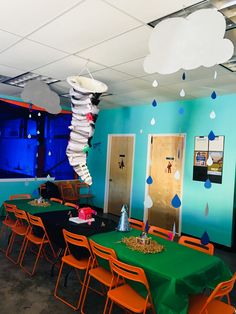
<point x="56" y="38"/>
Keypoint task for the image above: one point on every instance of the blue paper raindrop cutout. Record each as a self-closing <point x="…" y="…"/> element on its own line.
<point x="176" y="202"/>
<point x="183" y="76"/>
<point x="205" y="238"/>
<point x="213" y="95"/>
<point x="211" y="136"/>
<point x="154" y="103"/>
<point x="181" y="110"/>
<point x="207" y="184"/>
<point x="149" y="180"/>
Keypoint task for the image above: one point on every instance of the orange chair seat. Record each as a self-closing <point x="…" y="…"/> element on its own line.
<point x="9" y="222"/>
<point x="214" y="307"/>
<point x="72" y="261"/>
<point x="129" y="298"/>
<point x="21" y="230"/>
<point x="102" y="275"/>
<point x="36" y="240"/>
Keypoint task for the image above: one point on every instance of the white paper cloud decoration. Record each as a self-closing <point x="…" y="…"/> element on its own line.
<point x="39" y="94"/>
<point x="188" y="43"/>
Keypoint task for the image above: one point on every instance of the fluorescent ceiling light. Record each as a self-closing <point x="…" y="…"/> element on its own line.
<point x="22" y="79"/>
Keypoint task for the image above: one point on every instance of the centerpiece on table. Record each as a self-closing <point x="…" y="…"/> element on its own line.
<point x="143" y="243"/>
<point x="39" y="202"/>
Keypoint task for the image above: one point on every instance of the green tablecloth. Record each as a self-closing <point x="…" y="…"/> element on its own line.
<point x="24" y="205"/>
<point x="173" y="274"/>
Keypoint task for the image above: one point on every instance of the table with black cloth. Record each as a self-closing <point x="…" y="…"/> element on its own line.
<point x="56" y="218"/>
<point x="173" y="274"/>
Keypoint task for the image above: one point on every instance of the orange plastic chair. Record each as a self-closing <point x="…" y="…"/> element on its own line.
<point x="41" y="242"/>
<point x="67" y="192"/>
<point x="72" y="205"/>
<point x="82" y="264"/>
<point x="124" y="295"/>
<point x="57" y="200"/>
<point x="195" y="243"/>
<point x="9" y="220"/>
<point x="99" y="273"/>
<point x="20" y="229"/>
<point x="136" y="224"/>
<point x="201" y="304"/>
<point x="162" y="233"/>
<point x="20" y="196"/>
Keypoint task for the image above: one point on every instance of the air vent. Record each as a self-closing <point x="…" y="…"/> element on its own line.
<point x="22" y="79"/>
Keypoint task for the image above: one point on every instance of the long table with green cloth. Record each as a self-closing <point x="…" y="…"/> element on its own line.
<point x="23" y="204"/>
<point x="174" y="274"/>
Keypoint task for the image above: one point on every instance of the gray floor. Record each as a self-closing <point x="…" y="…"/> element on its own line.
<point x="20" y="294"/>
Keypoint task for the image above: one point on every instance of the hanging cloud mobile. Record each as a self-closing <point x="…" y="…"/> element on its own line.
<point x="188" y="43"/>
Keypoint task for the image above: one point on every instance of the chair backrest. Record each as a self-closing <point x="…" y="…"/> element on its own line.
<point x="72" y="205"/>
<point x="21" y="214"/>
<point x="10" y="208"/>
<point x="136" y="224"/>
<point x="21" y="217"/>
<point x="129" y="272"/>
<point x="20" y="196"/>
<point x="67" y="190"/>
<point x="101" y="251"/>
<point x="53" y="199"/>
<point x="195" y="243"/>
<point x="36" y="221"/>
<point x="76" y="239"/>
<point x="162" y="233"/>
<point x="221" y="290"/>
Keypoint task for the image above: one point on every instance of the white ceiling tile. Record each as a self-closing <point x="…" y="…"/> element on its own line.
<point x="7" y="39"/>
<point x="109" y="76"/>
<point x="24" y="16"/>
<point x="68" y="66"/>
<point x="134" y="67"/>
<point x="91" y="22"/>
<point x="8" y="71"/>
<point x="127" y="86"/>
<point x="28" y="55"/>
<point x="151" y="10"/>
<point x="126" y="47"/>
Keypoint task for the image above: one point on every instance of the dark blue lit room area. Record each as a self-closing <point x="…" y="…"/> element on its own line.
<point x="33" y="143"/>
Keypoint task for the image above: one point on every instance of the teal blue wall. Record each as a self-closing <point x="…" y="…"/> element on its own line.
<point x="18" y="187"/>
<point x="194" y="122"/>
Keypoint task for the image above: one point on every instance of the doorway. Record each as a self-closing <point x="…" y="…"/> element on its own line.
<point x="120" y="157"/>
<point x="165" y="166"/>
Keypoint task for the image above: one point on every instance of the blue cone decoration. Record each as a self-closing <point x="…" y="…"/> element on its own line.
<point x="123" y="224"/>
<point x="205" y="238"/>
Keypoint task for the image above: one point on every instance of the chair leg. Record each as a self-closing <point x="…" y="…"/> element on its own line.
<point x="110" y="310"/>
<point x="36" y="261"/>
<point x="74" y="307"/>
<point x="106" y="305"/>
<point x="85" y="294"/>
<point x="9" y="248"/>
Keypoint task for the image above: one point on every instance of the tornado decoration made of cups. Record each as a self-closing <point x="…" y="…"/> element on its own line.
<point x="84" y="93"/>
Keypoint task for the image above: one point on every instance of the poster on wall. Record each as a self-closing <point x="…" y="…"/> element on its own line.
<point x="208" y="159"/>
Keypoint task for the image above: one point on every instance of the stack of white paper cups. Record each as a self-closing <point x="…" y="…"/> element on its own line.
<point x="85" y="93"/>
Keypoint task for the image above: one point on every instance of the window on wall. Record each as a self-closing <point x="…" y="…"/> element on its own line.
<point x="33" y="144"/>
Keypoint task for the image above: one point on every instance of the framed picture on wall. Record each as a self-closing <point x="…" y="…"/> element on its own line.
<point x="208" y="159"/>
